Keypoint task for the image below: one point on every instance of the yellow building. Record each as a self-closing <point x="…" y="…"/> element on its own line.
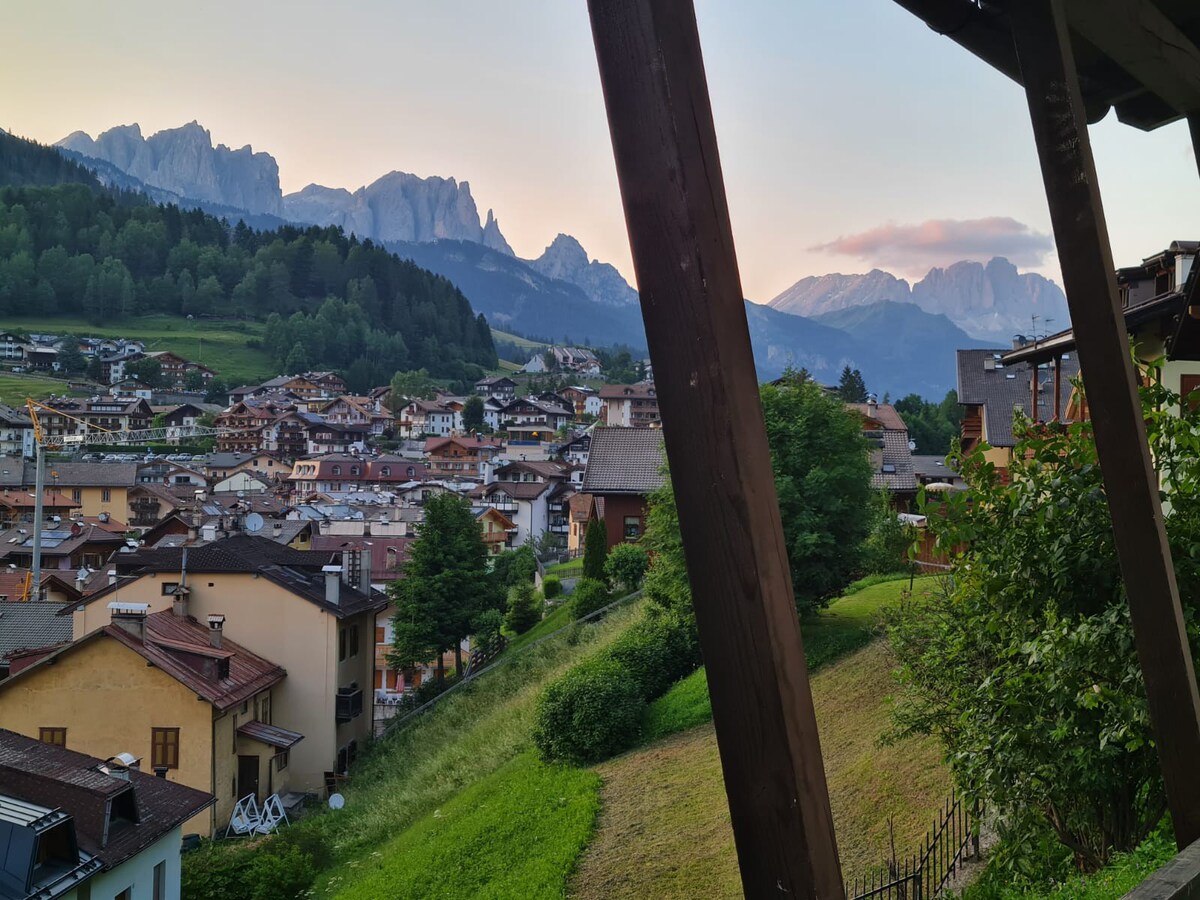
<point x="289" y="606"/>
<point x="93" y="488"/>
<point x="132" y="686"/>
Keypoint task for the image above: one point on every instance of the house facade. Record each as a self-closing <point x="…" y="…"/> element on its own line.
<point x="630" y="406"/>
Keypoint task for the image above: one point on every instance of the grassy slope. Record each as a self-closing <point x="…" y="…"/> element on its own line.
<point x="516" y="339"/>
<point x="515" y="834"/>
<point x="218" y="344"/>
<point x="14" y="389"/>
<point x="467" y="739"/>
<point x="664" y="831"/>
<point x="559" y="617"/>
<point x="572" y="568"/>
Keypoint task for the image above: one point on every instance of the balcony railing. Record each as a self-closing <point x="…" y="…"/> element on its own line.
<point x="349" y="704"/>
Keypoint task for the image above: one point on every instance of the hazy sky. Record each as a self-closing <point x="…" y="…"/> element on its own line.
<point x="851" y="135"/>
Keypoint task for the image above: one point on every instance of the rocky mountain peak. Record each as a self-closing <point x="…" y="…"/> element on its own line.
<point x="493" y="238"/>
<point x="565" y="259"/>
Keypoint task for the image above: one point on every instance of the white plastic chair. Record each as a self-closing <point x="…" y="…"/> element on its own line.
<point x="246" y="817"/>
<point x="272" y="814"/>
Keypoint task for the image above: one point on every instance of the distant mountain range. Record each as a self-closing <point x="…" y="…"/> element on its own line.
<point x="901" y="337"/>
<point x="992" y="301"/>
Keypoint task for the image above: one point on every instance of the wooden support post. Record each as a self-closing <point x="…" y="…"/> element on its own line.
<point x="1058" y="389"/>
<point x="1060" y="132"/>
<point x="1193" y="121"/>
<point x="673" y="194"/>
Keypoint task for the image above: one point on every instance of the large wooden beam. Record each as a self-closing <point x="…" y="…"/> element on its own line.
<point x="1145" y="43"/>
<point x="1193" y="121"/>
<point x="665" y="147"/>
<point x="1069" y="173"/>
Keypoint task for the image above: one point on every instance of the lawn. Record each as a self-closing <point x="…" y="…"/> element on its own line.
<point x="526" y="343"/>
<point x="468" y="738"/>
<point x="515" y="834"/>
<point x="15" y="389"/>
<point x="559" y="617"/>
<point x="664" y="830"/>
<point x="219" y="344"/>
<point x="572" y="568"/>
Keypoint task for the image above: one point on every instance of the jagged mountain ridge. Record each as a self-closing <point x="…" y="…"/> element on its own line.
<point x="566" y="260"/>
<point x="184" y="161"/>
<point x="990" y="301"/>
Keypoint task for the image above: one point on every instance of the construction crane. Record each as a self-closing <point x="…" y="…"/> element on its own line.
<point x="89" y="436"/>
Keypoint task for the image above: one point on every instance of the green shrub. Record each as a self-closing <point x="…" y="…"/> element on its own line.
<point x="590" y="595"/>
<point x="656" y="652"/>
<point x="595" y="549"/>
<point x="524" y="608"/>
<point x="551" y="586"/>
<point x="626" y="565"/>
<point x="487" y="628"/>
<point x="276" y="868"/>
<point x="589" y="714"/>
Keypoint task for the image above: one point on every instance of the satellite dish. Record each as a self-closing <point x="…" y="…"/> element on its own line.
<point x="254" y="522"/>
<point x="336" y="801"/>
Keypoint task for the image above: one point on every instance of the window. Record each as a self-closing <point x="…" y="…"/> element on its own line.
<point x="160" y="881"/>
<point x="386" y="471"/>
<point x="105" y="495"/>
<point x="76" y="495"/>
<point x="168" y="588"/>
<point x="341" y="644"/>
<point x="164" y="747"/>
<point x="354" y="640"/>
<point x="354" y="470"/>
<point x="264" y="711"/>
<point x="633" y="528"/>
<point x="379" y="634"/>
<point x="126" y="894"/>
<point x="54" y="736"/>
<point x="337" y="470"/>
<point x="392" y="557"/>
<point x="281" y="760"/>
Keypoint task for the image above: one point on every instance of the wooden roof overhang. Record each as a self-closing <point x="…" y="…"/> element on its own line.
<point x="1076" y="60"/>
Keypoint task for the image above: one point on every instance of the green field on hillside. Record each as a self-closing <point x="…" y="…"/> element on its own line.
<point x="517" y="339"/>
<point x="15" y="389"/>
<point x="219" y="344"/>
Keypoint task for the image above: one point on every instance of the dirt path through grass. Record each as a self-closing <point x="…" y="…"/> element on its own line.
<point x="664" y="828"/>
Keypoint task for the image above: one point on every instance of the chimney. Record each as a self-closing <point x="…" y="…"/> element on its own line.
<point x="333" y="580"/>
<point x="160" y="772"/>
<point x="130" y="617"/>
<point x="989" y="363"/>
<point x="179" y="606"/>
<point x="872" y="405"/>
<point x="112" y="577"/>
<point x="216" y="625"/>
<point x="364" y="570"/>
<point x="1019" y="341"/>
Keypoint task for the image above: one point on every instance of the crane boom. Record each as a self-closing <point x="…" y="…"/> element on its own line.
<point x="91" y="435"/>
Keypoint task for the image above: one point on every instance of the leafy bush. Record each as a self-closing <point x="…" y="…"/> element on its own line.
<point x="589" y="596"/>
<point x="626" y="565"/>
<point x="524" y="608"/>
<point x="487" y="628"/>
<point x="513" y="567"/>
<point x="1026" y="667"/>
<point x="275" y="868"/>
<point x="551" y="586"/>
<point x="656" y="652"/>
<point x="885" y="551"/>
<point x="593" y="712"/>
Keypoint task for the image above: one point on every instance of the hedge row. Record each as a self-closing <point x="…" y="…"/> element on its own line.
<point x="595" y="710"/>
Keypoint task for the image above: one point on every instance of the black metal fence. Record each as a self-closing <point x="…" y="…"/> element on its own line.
<point x="953" y="839"/>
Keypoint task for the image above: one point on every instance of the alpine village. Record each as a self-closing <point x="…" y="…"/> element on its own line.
<point x="345" y="552"/>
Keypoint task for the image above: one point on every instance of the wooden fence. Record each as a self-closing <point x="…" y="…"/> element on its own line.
<point x="953" y="839"/>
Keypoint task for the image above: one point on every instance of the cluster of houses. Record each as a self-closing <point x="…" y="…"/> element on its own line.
<point x="111" y="356"/>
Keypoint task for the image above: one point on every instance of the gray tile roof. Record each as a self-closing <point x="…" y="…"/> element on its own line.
<point x="897" y="455"/>
<point x="24" y="626"/>
<point x="1005" y="388"/>
<point x="624" y="461"/>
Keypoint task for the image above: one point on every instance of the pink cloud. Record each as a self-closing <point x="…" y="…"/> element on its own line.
<point x="939" y="242"/>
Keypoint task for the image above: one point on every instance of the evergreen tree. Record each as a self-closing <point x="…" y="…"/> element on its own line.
<point x="70" y="360"/>
<point x="851" y="386"/>
<point x="297" y="360"/>
<point x="524" y="608"/>
<point x="472" y="414"/>
<point x="595" y="549"/>
<point x="446" y="585"/>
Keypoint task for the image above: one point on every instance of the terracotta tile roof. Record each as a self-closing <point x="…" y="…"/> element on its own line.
<point x="884" y="413"/>
<point x="581" y="507"/>
<point x="624" y="461"/>
<point x="179" y="646"/>
<point x="59" y="541"/>
<point x="12" y="582"/>
<point x="58" y="778"/>
<point x="28" y="500"/>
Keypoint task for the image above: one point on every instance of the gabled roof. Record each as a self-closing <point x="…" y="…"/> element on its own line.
<point x="642" y="390"/>
<point x="518" y="490"/>
<point x="898" y="458"/>
<point x="57" y="778"/>
<point x="884" y="413"/>
<point x="624" y="461"/>
<point x="71" y="474"/>
<point x="1004" y="388"/>
<point x="471" y="442"/>
<point x="27" y="625"/>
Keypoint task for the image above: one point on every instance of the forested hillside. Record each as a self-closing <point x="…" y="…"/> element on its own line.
<point x="77" y="249"/>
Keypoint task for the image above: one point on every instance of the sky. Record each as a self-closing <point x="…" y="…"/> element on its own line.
<point x="851" y="136"/>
